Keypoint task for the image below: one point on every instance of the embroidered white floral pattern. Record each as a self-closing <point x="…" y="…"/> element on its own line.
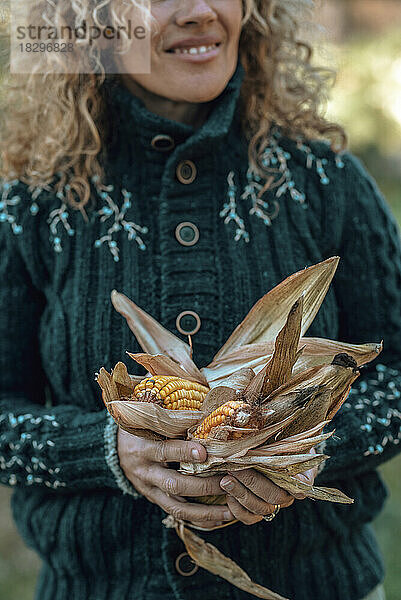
<point x="112" y="210"/>
<point x="387" y="385"/>
<point x="58" y="217"/>
<point x="278" y="178"/>
<point x="25" y="462"/>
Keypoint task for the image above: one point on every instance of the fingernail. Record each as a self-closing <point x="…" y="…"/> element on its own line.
<point x="227" y="516"/>
<point x="227" y="484"/>
<point x="195" y="454"/>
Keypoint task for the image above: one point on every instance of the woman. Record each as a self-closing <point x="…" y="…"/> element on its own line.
<point x="193" y="190"/>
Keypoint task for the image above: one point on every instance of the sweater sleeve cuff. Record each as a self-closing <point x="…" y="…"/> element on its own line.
<point x="59" y="447"/>
<point x="111" y="455"/>
<point x="367" y="427"/>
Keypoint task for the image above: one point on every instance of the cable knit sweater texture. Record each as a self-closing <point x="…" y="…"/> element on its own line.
<point x="58" y="327"/>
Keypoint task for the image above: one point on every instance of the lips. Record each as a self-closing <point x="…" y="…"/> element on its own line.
<point x="195" y="44"/>
<point x="194" y="51"/>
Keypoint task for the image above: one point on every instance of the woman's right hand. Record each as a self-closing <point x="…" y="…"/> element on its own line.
<point x="144" y="464"/>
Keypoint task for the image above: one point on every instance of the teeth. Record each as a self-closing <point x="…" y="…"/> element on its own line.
<point x="195" y="50"/>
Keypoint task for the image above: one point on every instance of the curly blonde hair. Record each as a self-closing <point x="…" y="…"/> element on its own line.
<point x="54" y="123"/>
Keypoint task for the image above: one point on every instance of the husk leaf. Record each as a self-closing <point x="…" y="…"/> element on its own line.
<point x="125" y="383"/>
<point x="254" y="390"/>
<point x="238" y="380"/>
<point x="158" y="364"/>
<point x="217" y="397"/>
<point x="146" y="415"/>
<point x="268" y="316"/>
<point x="293" y="485"/>
<point x="285" y="354"/>
<point x="232" y="448"/>
<point x="210" y="558"/>
<point x="285" y="404"/>
<point x="317" y="351"/>
<point x="314" y="412"/>
<point x="108" y="386"/>
<point x="334" y="377"/>
<point x="153" y="337"/>
<point x="289" y="447"/>
<point x="293" y="464"/>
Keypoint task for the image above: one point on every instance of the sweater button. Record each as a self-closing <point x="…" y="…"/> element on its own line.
<point x="187" y="233"/>
<point x="188" y="322"/>
<point x="162" y="143"/>
<point x="186" y="172"/>
<point x="185" y="565"/>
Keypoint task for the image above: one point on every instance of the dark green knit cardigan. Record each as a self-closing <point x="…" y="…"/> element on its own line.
<point x="58" y="327"/>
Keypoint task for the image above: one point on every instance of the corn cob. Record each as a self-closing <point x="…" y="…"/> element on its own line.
<point x="235" y="414"/>
<point x="170" y="392"/>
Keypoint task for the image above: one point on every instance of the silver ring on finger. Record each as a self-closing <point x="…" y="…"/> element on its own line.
<point x="271" y="516"/>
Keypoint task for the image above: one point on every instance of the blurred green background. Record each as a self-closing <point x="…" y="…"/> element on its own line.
<point x="362" y="40"/>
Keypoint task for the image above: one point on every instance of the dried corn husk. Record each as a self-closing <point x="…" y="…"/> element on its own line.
<point x="296" y="383"/>
<point x="154" y="338"/>
<point x="268" y="316"/>
<point x="316" y="351"/>
<point x="207" y="556"/>
<point x="123" y="380"/>
<point x="335" y="377"/>
<point x="143" y="415"/>
<point x="279" y="368"/>
<point x="171" y="424"/>
<point x="158" y="364"/>
<point x="319" y="351"/>
<point x="254" y="336"/>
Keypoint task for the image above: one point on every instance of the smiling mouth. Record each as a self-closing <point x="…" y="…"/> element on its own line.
<point x="194" y="50"/>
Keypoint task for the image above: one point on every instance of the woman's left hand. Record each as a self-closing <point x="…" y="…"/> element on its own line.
<point x="251" y="495"/>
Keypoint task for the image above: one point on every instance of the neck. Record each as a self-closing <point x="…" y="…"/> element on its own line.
<point x="184" y="112"/>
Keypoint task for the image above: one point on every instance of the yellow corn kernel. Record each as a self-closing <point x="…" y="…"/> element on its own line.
<point x="225" y="414"/>
<point x="170" y="392"/>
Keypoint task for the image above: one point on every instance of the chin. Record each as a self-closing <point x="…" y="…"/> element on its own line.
<point x="199" y="98"/>
<point x="199" y="94"/>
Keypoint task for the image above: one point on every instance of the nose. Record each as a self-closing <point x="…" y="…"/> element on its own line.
<point x="195" y="12"/>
